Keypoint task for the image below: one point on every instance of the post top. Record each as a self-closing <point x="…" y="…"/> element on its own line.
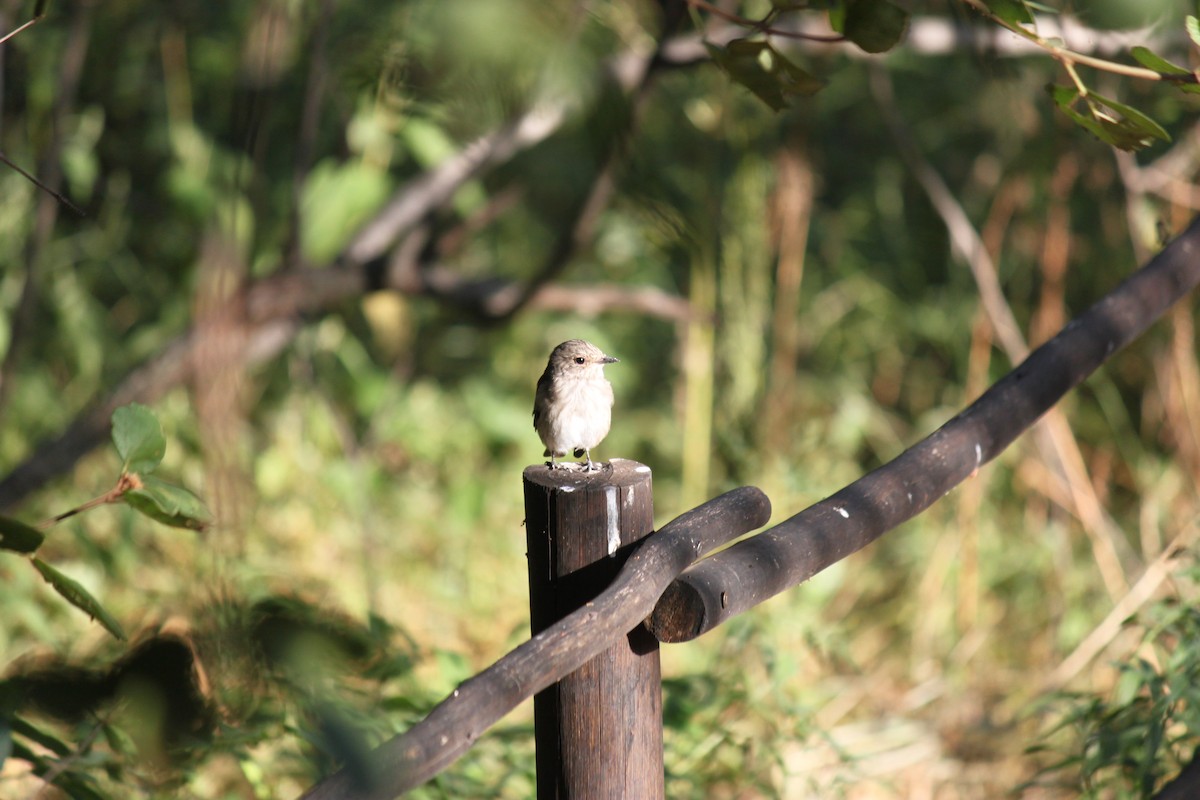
<point x="617" y="472"/>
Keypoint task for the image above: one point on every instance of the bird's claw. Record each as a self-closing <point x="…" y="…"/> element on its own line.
<point x="582" y="466"/>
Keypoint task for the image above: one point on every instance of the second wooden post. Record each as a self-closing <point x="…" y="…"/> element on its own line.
<point x="598" y="730"/>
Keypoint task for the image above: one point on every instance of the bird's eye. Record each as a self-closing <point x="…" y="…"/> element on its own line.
<point x="580" y="359"/>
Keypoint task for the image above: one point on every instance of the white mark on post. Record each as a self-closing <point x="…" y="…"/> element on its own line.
<point x="614" y="519"/>
<point x="567" y="489"/>
<point x="978" y="455"/>
<point x="641" y="468"/>
<point x="845" y="514"/>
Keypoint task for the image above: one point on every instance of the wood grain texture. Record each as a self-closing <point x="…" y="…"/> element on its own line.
<point x="598" y="729"/>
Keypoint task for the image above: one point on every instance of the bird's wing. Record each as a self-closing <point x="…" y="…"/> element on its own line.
<point x="542" y="395"/>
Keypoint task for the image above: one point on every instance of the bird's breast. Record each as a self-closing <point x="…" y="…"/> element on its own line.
<point x="579" y="415"/>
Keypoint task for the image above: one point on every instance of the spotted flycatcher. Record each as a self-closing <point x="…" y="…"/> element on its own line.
<point x="572" y="409"/>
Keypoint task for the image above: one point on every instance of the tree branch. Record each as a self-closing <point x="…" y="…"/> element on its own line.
<point x="274" y="307"/>
<point x="275" y="302"/>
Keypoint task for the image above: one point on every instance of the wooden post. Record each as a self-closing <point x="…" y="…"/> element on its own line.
<point x="599" y="730"/>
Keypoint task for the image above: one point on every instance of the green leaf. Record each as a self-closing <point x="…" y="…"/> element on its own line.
<point x="138" y="438"/>
<point x="79" y="597"/>
<point x="1192" y="26"/>
<point x="1153" y="61"/>
<point x="169" y="504"/>
<point x="765" y="71"/>
<point x="837" y="18"/>
<point x="876" y="26"/>
<point x="76" y="784"/>
<point x="26" y="729"/>
<point x="1112" y="122"/>
<point x="1064" y="96"/>
<point x="19" y="537"/>
<point x="1014" y="12"/>
<point x="1131" y="129"/>
<point x="1134" y="116"/>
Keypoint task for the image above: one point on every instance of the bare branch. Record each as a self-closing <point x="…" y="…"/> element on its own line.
<point x="435" y="187"/>
<point x="274" y="306"/>
<point x="57" y="195"/>
<point x="39" y="11"/>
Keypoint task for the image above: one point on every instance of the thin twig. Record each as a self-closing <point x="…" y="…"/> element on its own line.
<point x="59" y="196"/>
<point x="125" y="483"/>
<point x="1068" y="57"/>
<point x="39" y="11"/>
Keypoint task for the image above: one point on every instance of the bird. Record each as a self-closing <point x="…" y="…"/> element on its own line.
<point x="572" y="408"/>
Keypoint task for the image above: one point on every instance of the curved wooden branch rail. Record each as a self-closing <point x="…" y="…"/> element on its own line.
<point x="793" y="551"/>
<point x="454" y="724"/>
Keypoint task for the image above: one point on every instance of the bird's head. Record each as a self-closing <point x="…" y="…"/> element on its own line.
<point x="578" y="357"/>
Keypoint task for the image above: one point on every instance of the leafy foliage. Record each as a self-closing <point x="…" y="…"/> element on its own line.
<point x="19" y="537"/>
<point x="362" y="452"/>
<point x="138" y="438"/>
<point x="1130" y="743"/>
<point x="765" y="71"/>
<point x="79" y="597"/>
<point x="139" y="441"/>
<point x="1111" y="122"/>
<point x="169" y="504"/>
<point x="874" y="25"/>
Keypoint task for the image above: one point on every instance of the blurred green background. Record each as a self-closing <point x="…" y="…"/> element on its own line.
<point x="364" y="461"/>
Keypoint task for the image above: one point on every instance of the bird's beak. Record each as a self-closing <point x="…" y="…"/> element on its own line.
<point x="609" y="360"/>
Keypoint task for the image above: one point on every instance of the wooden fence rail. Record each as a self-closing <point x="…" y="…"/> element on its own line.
<point x="793" y="551"/>
<point x="454" y="724"/>
<point x="749" y="572"/>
